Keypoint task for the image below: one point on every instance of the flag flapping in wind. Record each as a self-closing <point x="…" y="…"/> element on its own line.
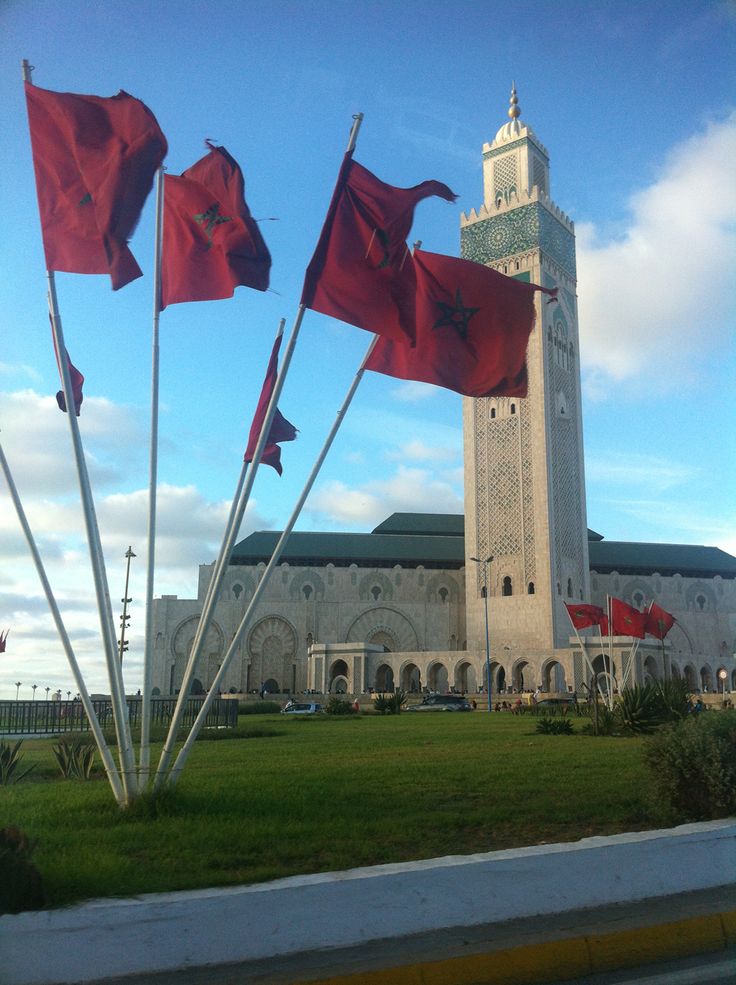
<point x="360" y="271"/>
<point x="76" y="378"/>
<point x="626" y="620"/>
<point x="281" y="429"/>
<point x="658" y="621"/>
<point x="95" y="158"/>
<point x="211" y="243"/>
<point x="583" y="615"/>
<point x="472" y="329"/>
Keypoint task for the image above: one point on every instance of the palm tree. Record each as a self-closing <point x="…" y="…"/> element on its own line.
<point x="17" y="688"/>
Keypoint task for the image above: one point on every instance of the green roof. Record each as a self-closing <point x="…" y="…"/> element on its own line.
<point x="436" y="540"/>
<point x="691" y="561"/>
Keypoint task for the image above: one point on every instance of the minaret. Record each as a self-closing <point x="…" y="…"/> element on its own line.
<point x="524" y="478"/>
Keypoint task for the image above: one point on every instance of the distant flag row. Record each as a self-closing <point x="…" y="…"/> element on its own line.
<point x="440" y="320"/>
<point x="624" y="619"/>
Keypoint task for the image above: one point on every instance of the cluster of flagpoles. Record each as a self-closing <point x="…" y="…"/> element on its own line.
<point x="654" y="621"/>
<point x="397" y="294"/>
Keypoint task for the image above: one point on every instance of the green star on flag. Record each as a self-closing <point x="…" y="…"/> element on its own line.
<point x="455" y="315"/>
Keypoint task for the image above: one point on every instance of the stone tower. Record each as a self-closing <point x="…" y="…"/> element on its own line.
<point x="524" y="473"/>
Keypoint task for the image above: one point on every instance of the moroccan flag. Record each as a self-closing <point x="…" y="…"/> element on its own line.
<point x="582" y="615"/>
<point x="626" y="620"/>
<point x="361" y="271"/>
<point x="95" y="158"/>
<point x="658" y="621"/>
<point x="472" y="329"/>
<point x="76" y="377"/>
<point x="211" y="242"/>
<point x="281" y="429"/>
<point x="3" y="640"/>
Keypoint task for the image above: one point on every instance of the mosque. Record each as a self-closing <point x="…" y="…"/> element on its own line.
<point x="431" y="601"/>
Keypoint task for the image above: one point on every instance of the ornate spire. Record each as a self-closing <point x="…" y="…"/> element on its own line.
<point x="514" y="108"/>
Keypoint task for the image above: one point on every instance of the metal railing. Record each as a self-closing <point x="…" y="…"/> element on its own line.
<point x="53" y="717"/>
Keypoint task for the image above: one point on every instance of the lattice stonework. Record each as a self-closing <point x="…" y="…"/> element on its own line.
<point x="566" y="471"/>
<point x="539" y="177"/>
<point x="503" y="496"/>
<point x="514" y="232"/>
<point x="504" y="176"/>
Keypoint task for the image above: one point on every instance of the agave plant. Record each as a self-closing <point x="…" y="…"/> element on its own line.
<point x="640" y="708"/>
<point x="674" y="696"/>
<point x="75" y="758"/>
<point x="10" y="757"/>
<point x="554" y="726"/>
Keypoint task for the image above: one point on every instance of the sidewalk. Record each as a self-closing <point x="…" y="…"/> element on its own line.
<point x="515" y="952"/>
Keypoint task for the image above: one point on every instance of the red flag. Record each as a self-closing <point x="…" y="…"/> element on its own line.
<point x="3" y="640"/>
<point x="604" y="626"/>
<point x="472" y="329"/>
<point x="281" y="429"/>
<point x="360" y="271"/>
<point x="95" y="158"/>
<point x="76" y="377"/>
<point x="658" y="621"/>
<point x="582" y="615"/>
<point x="211" y="242"/>
<point x="626" y="620"/>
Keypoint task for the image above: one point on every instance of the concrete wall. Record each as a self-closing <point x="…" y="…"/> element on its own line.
<point x="109" y="938"/>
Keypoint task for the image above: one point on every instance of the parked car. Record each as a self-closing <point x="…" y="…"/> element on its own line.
<point x="301" y="708"/>
<point x="443" y="702"/>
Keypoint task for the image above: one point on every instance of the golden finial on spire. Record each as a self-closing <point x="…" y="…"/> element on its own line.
<point x="514" y="110"/>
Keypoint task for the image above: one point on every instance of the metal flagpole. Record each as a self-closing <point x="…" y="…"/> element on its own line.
<point x="145" y="753"/>
<point x="107" y="760"/>
<point x="237" y="511"/>
<point x="201" y="717"/>
<point x="117" y="692"/>
<point x="582" y="645"/>
<point x="610" y="655"/>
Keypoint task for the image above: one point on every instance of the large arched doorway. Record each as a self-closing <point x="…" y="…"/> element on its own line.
<point x="465" y="678"/>
<point x="411" y="679"/>
<point x="338" y="677"/>
<point x="519" y="670"/>
<point x="706" y="678"/>
<point x="605" y="673"/>
<point x="384" y="679"/>
<point x="553" y="677"/>
<point x="691" y="677"/>
<point x="437" y="678"/>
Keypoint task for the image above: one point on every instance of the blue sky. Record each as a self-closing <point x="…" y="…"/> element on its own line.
<point x="636" y="104"/>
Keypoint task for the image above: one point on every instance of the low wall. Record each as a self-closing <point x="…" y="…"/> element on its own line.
<point x="108" y="938"/>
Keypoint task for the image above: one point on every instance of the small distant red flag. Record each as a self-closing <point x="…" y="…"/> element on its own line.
<point x="583" y="615"/>
<point x="3" y="640"/>
<point x="281" y="429"/>
<point x="472" y="329"/>
<point x="626" y="620"/>
<point x="211" y="242"/>
<point x="76" y="377"/>
<point x="658" y="621"/>
<point x="359" y="272"/>
<point x="95" y="158"/>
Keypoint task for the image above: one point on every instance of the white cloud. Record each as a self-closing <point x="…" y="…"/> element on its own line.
<point x="657" y="474"/>
<point x="421" y="452"/>
<point x="660" y="297"/>
<point x="410" y="392"/>
<point x="408" y="490"/>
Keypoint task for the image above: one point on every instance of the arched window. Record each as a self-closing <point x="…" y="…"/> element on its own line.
<point x="513" y="408"/>
<point x="307" y="591"/>
<point x="569" y="588"/>
<point x="237" y="590"/>
<point x="376" y="592"/>
<point x="638" y="599"/>
<point x="443" y="593"/>
<point x="700" y="601"/>
<point x="493" y="413"/>
<point x="530" y="588"/>
<point x="507" y="588"/>
<point x="559" y="589"/>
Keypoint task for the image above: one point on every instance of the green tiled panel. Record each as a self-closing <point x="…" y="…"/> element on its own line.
<point x="526" y="228"/>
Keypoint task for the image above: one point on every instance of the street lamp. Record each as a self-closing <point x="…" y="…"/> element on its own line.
<point x="723" y="674"/>
<point x="125" y="618"/>
<point x="17" y="689"/>
<point x="47" y="693"/>
<point x="33" y="688"/>
<point x="485" y="562"/>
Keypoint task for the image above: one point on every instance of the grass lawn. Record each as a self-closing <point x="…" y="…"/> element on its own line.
<point x="311" y="795"/>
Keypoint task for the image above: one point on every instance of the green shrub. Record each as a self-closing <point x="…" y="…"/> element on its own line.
<point x="674" y="695"/>
<point x="607" y="722"/>
<point x="259" y="708"/>
<point x="693" y="766"/>
<point x="10" y="757"/>
<point x="75" y="758"/>
<point x="20" y="881"/>
<point x="339" y="706"/>
<point x="640" y="708"/>
<point x="554" y="726"/>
